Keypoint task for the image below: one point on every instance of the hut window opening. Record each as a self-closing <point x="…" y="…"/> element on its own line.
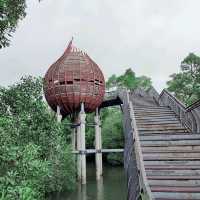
<point x="62" y="82"/>
<point x="69" y="82"/>
<point x="96" y="82"/>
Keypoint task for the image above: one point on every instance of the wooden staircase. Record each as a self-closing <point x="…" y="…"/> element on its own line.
<point x="170" y="152"/>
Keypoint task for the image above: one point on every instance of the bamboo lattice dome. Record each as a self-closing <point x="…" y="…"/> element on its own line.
<point x="74" y="79"/>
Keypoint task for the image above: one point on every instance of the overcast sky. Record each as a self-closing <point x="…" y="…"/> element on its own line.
<point x="150" y="36"/>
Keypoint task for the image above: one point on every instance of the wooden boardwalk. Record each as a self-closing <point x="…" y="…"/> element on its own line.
<point x="170" y="152"/>
<point x="162" y="145"/>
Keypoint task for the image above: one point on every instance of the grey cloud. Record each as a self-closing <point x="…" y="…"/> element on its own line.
<point x="152" y="37"/>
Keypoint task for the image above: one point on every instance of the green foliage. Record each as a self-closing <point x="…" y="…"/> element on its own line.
<point x="186" y="84"/>
<point x="90" y="133"/>
<point x="112" y="131"/>
<point x="34" y="155"/>
<point x="11" y="12"/>
<point x="115" y="158"/>
<point x="26" y="173"/>
<point x="129" y="80"/>
<point x="112" y="81"/>
<point x="62" y="169"/>
<point x="112" y="134"/>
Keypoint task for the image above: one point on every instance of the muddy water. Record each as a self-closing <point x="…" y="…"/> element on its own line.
<point x="111" y="187"/>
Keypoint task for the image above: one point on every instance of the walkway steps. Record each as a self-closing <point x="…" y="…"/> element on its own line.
<point x="153" y="143"/>
<point x="172" y="162"/>
<point x="188" y="189"/>
<point x="163" y="133"/>
<point x="171" y="153"/>
<point x="165" y="137"/>
<point x="169" y="167"/>
<point x="147" y="127"/>
<point x="176" y="196"/>
<point x="157" y="118"/>
<point x="157" y="122"/>
<point x="173" y="172"/>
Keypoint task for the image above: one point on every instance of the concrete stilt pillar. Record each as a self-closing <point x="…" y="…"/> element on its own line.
<point x="58" y="114"/>
<point x="100" y="141"/>
<point x="82" y="144"/>
<point x="78" y="135"/>
<point x="84" y="192"/>
<point x="100" y="189"/>
<point x="73" y="138"/>
<point x="98" y="146"/>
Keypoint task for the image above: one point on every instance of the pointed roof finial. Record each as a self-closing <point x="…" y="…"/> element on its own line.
<point x="69" y="47"/>
<point x="70" y="43"/>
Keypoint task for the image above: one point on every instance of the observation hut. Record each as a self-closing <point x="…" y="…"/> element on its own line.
<point x="74" y="85"/>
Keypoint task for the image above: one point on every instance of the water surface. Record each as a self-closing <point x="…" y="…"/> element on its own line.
<point x="111" y="187"/>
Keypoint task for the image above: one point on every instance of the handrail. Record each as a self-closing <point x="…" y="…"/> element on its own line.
<point x="194" y="105"/>
<point x="153" y="92"/>
<point x="139" y="157"/>
<point x="165" y="91"/>
<point x="144" y="187"/>
<point x="130" y="164"/>
<point x="189" y="116"/>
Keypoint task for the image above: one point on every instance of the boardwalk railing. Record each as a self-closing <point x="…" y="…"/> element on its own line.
<point x="130" y="163"/>
<point x="137" y="183"/>
<point x="133" y="160"/>
<point x="189" y="116"/>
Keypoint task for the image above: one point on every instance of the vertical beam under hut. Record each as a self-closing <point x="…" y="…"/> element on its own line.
<point x="78" y="135"/>
<point x="81" y="160"/>
<point x="98" y="145"/>
<point x="58" y="114"/>
<point x="73" y="137"/>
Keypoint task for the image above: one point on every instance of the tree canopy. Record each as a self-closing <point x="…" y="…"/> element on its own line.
<point x="129" y="80"/>
<point x="11" y="12"/>
<point x="35" y="155"/>
<point x="186" y="84"/>
<point x="112" y="131"/>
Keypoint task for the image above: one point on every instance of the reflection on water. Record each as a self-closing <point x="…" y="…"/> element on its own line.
<point x="111" y="187"/>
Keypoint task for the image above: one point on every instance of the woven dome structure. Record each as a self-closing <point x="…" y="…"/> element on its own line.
<point x="74" y="79"/>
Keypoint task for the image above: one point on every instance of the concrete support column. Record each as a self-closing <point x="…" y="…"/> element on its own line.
<point x="100" y="141"/>
<point x="73" y="138"/>
<point x="98" y="146"/>
<point x="100" y="189"/>
<point x="82" y="144"/>
<point x="78" y="135"/>
<point x="58" y="114"/>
